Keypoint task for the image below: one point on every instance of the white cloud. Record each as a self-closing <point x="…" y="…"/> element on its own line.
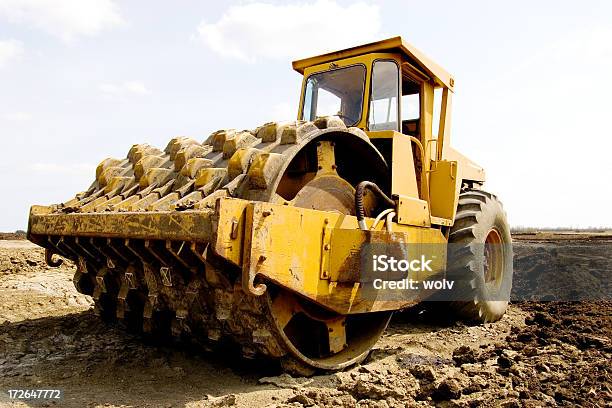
<point x="9" y="51"/>
<point x="125" y="88"/>
<point x="255" y="30"/>
<point x="17" y="116"/>
<point x="63" y="18"/>
<point x="136" y="87"/>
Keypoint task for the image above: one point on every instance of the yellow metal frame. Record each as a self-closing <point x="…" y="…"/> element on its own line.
<point x="390" y="45"/>
<point x="367" y="61"/>
<point x="319" y="258"/>
<point x="441" y="193"/>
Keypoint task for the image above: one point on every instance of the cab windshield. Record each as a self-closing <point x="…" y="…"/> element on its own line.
<point x="338" y="92"/>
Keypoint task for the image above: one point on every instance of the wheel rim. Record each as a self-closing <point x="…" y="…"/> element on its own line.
<point x="316" y="336"/>
<point x="493" y="259"/>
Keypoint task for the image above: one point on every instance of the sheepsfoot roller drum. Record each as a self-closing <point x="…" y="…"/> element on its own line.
<point x="219" y="240"/>
<point x="260" y="237"/>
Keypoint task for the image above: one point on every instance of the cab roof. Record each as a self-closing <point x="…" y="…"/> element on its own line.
<point x="394" y="44"/>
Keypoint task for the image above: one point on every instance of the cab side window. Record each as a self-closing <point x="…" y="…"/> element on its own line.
<point x="384" y="97"/>
<point x="410" y="106"/>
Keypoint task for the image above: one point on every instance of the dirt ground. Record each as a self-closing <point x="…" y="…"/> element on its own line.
<point x="540" y="354"/>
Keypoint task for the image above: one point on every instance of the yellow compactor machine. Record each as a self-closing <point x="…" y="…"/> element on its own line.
<point x="254" y="236"/>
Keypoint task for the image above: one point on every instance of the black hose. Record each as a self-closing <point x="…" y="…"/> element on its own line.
<point x="359" y="191"/>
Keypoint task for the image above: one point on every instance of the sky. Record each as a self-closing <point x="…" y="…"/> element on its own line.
<point x="82" y="80"/>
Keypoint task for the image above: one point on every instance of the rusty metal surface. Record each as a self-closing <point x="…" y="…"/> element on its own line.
<point x="300" y="258"/>
<point x="194" y="226"/>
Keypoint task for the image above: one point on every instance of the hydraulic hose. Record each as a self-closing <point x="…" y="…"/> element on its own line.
<point x="379" y="218"/>
<point x="359" y="192"/>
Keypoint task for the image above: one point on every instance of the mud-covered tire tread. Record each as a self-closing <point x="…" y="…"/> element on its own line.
<point x="466" y="235"/>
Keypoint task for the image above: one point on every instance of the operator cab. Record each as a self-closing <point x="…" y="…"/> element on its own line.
<point x="383" y="87"/>
<point x="341" y="92"/>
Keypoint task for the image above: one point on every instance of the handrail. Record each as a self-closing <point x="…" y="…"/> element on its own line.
<point x="424" y="180"/>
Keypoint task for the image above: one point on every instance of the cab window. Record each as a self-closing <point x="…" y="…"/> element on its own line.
<point x="336" y="92"/>
<point x="384" y="97"/>
<point x="411" y="106"/>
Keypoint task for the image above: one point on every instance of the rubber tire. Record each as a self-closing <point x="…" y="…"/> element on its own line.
<point x="477" y="213"/>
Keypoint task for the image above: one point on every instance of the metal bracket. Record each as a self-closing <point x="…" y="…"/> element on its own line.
<point x="250" y="271"/>
<point x="82" y="265"/>
<point x="166" y="275"/>
<point x="101" y="283"/>
<point x="131" y="281"/>
<point x="234" y="232"/>
<point x="325" y="250"/>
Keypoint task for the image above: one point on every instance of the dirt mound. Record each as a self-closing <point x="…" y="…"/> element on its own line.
<point x="539" y="354"/>
<point x="21" y="260"/>
<point x="568" y="269"/>
<point x="13" y="235"/>
<point x="564" y="352"/>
